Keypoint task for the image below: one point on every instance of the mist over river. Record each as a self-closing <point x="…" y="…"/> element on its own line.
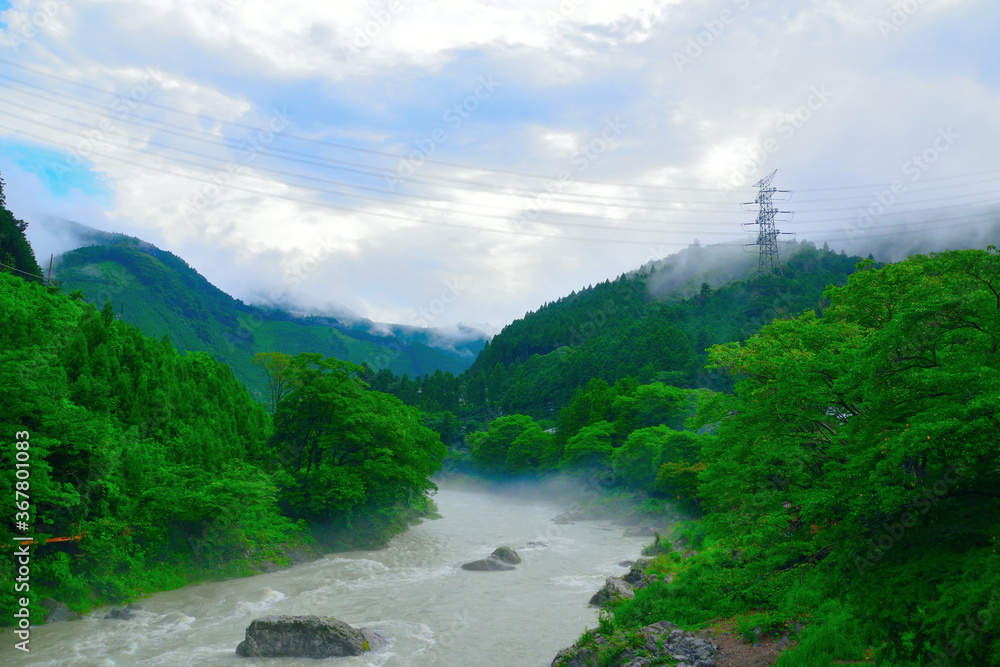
<point x="413" y="592"/>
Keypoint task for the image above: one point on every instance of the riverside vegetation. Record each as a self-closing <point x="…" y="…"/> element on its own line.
<point x="830" y="435"/>
<point x="162" y="469"/>
<point x="841" y="489"/>
<point x="846" y="490"/>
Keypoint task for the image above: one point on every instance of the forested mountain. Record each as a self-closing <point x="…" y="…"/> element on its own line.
<point x="158" y="292"/>
<point x="15" y="251"/>
<point x="137" y="468"/>
<point x="632" y="327"/>
<point x="849" y="487"/>
<point x="148" y="469"/>
<point x="845" y="487"/>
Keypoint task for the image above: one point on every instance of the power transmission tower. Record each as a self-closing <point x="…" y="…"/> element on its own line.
<point x="767" y="235"/>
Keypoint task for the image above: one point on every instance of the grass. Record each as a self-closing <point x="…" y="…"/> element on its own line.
<point x="658" y="547"/>
<point x="836" y="635"/>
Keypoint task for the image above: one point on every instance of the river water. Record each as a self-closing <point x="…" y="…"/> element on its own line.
<point x="413" y="592"/>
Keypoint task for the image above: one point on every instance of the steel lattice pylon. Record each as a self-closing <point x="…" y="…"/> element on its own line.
<point x="767" y="235"/>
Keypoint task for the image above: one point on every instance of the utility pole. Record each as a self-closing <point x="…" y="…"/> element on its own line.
<point x="49" y="280"/>
<point x="767" y="235"/>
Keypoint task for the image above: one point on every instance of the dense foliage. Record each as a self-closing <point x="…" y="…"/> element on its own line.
<point x="15" y="251"/>
<point x="647" y="328"/>
<point x="134" y="449"/>
<point x="156" y="469"/>
<point x="622" y="328"/>
<point x="162" y="295"/>
<point x="835" y="439"/>
<point x="852" y="480"/>
<point x="349" y="457"/>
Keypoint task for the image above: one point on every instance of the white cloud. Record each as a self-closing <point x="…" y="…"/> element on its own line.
<point x="565" y="69"/>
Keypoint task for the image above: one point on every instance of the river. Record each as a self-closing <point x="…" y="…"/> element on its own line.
<point x="413" y="592"/>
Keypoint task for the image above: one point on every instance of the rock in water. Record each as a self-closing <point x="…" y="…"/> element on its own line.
<point x="303" y="637"/>
<point x="487" y="564"/>
<point x="121" y="614"/>
<point x="502" y="558"/>
<point x="506" y="554"/>
<point x="58" y="611"/>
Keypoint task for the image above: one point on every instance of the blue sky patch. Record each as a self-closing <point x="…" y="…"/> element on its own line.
<point x="58" y="172"/>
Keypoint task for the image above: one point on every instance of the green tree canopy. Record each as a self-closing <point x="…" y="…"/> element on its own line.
<point x="341" y="448"/>
<point x="862" y="446"/>
<point x="591" y="446"/>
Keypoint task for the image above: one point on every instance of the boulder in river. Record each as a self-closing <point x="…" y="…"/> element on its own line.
<point x="124" y="614"/>
<point x="502" y="558"/>
<point x="305" y="637"/>
<point x="614" y="588"/>
<point x="507" y="555"/>
<point x="58" y="611"/>
<point x="487" y="565"/>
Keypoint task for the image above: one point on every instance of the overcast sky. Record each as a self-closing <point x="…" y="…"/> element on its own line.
<point x="444" y="161"/>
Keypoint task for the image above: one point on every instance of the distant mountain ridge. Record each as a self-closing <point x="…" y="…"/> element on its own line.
<point x="652" y="324"/>
<point x="164" y="296"/>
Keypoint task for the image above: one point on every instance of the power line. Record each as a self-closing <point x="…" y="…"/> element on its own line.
<point x="312" y="140"/>
<point x="24" y="273"/>
<point x="506" y="192"/>
<point x="324" y="162"/>
<point x="383" y="214"/>
<point x="698" y="231"/>
<point x="528" y="194"/>
<point x="399" y="156"/>
<point x="358" y="196"/>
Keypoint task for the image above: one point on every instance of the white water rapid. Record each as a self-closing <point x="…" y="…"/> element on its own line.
<point x="413" y="592"/>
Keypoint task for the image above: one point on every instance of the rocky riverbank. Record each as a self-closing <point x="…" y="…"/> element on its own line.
<point x="649" y="646"/>
<point x="663" y="642"/>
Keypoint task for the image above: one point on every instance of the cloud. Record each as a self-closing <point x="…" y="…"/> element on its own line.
<point x="708" y="97"/>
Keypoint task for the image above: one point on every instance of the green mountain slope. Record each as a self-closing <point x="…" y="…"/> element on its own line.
<point x="158" y="292"/>
<point x="15" y="251"/>
<point x="632" y="327"/>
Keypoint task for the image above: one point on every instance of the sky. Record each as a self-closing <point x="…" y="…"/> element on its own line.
<point x="436" y="162"/>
